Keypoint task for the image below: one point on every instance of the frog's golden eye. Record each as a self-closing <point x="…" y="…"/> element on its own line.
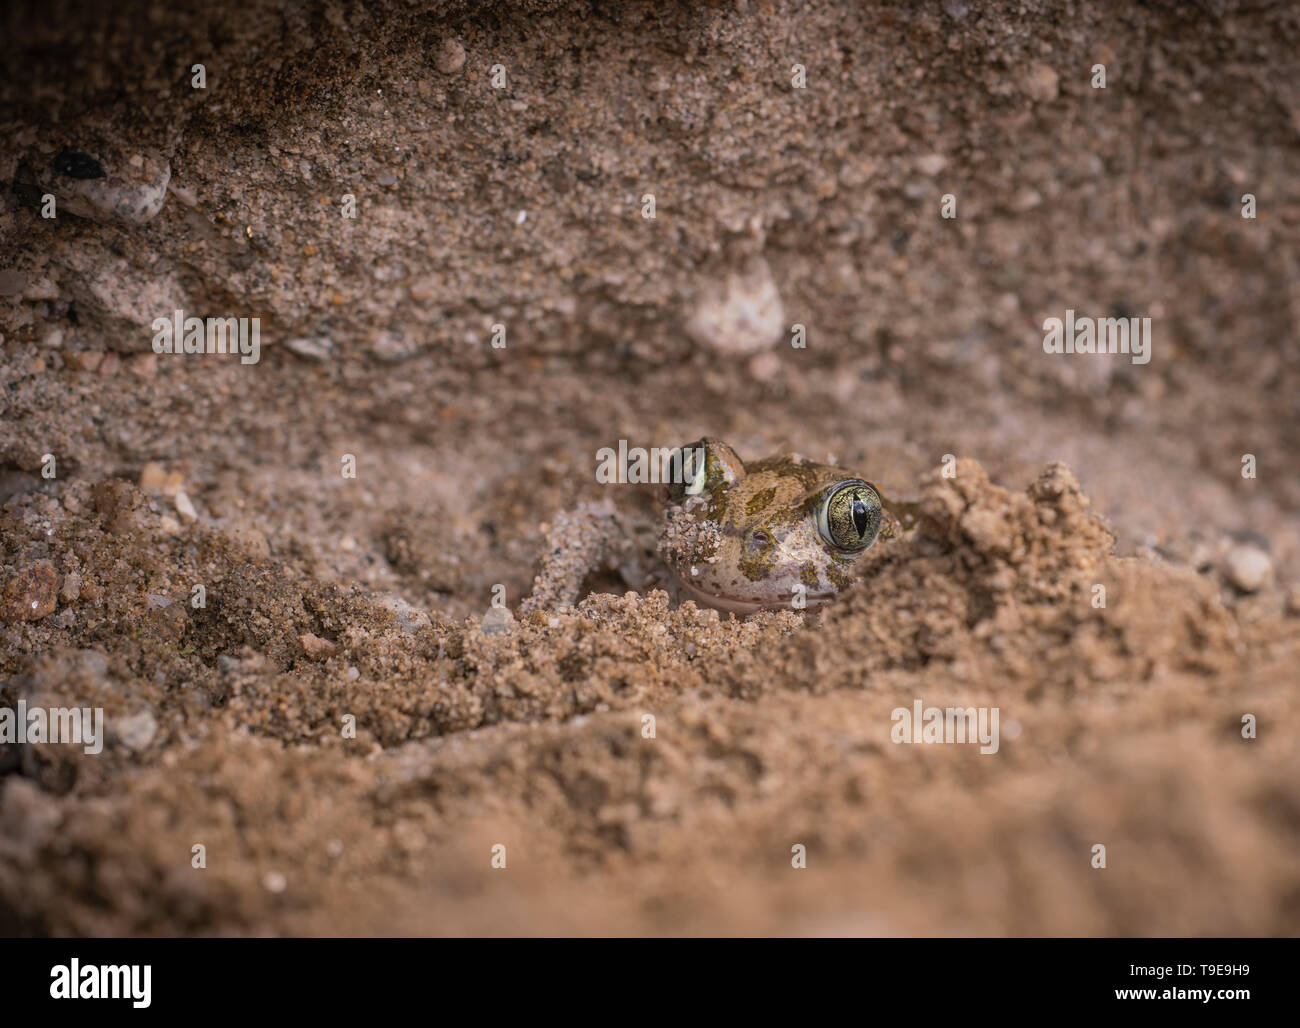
<point x="848" y="516"/>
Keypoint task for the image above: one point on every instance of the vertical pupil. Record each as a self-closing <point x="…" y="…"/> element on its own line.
<point x="860" y="518"/>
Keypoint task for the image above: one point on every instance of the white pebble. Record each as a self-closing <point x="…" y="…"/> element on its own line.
<point x="1248" y="568"/>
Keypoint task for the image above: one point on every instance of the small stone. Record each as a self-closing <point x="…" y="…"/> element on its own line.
<point x="70" y="590"/>
<point x="41" y="289"/>
<point x="313" y="349"/>
<point x="451" y="56"/>
<point x="186" y="196"/>
<point x="408" y="617"/>
<point x="153" y="476"/>
<point x="250" y="537"/>
<point x="275" y="882"/>
<point x="317" y="648"/>
<point x="110" y="185"/>
<point x="185" y="508"/>
<point x="1248" y="568"/>
<point x="53" y="338"/>
<point x="391" y="347"/>
<point x="931" y="164"/>
<point x="498" y="621"/>
<point x="742" y="313"/>
<point x="31" y="594"/>
<point x="144" y="365"/>
<point x="135" y="732"/>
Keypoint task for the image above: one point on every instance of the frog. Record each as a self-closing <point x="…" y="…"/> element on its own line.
<point x="783" y="532"/>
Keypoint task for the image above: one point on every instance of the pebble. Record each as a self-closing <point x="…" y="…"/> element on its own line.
<point x="742" y="313"/>
<point x="31" y="594"/>
<point x="1248" y="568"/>
<point x="391" y="347"/>
<point x="313" y="349"/>
<point x="250" y="537"/>
<point x="317" y="648"/>
<point x="185" y="508"/>
<point x="931" y="164"/>
<point x="111" y="184"/>
<point x="70" y="591"/>
<point x="451" y="56"/>
<point x="153" y="476"/>
<point x="407" y="616"/>
<point x="137" y="731"/>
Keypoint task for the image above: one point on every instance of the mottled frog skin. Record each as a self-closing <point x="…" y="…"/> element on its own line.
<point x="741" y="537"/>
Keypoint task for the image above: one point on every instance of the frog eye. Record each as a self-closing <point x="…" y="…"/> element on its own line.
<point x="848" y="516"/>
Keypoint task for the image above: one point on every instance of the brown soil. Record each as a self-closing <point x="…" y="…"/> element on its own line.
<point x="367" y="600"/>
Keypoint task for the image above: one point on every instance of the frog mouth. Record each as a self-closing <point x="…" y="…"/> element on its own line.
<point x="742" y="607"/>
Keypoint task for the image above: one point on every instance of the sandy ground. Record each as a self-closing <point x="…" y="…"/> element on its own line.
<point x="332" y="602"/>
